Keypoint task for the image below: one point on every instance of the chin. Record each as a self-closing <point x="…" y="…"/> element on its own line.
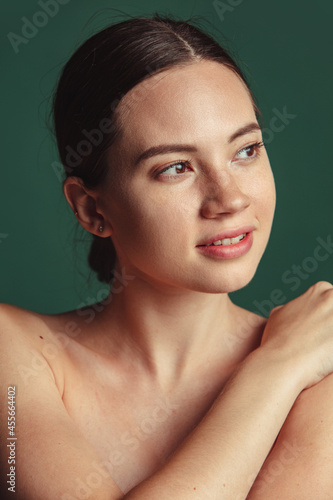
<point x="222" y="282"/>
<point x="227" y="285"/>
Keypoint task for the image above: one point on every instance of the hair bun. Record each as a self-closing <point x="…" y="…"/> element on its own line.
<point x="101" y="258"/>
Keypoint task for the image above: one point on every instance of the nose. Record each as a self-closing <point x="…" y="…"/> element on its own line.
<point x="222" y="195"/>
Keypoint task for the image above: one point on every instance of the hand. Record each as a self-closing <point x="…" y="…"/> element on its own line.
<point x="301" y="333"/>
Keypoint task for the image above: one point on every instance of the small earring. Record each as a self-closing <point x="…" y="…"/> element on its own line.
<point x="100" y="229"/>
<point x="75" y="213"/>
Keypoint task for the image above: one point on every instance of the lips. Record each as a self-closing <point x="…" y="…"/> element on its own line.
<point x="227" y="251"/>
<point x="228" y="235"/>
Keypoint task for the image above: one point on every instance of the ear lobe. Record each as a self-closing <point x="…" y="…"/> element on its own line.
<point x="83" y="204"/>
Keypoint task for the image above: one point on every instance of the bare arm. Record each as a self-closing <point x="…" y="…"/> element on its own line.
<point x="52" y="459"/>
<point x="300" y="464"/>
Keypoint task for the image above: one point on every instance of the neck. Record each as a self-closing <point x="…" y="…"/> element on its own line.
<point x="172" y="332"/>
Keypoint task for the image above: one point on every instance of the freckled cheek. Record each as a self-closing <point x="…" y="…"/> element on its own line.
<point x="148" y="222"/>
<point x="263" y="196"/>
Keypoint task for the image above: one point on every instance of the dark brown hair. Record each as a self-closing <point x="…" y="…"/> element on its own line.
<point x="101" y="71"/>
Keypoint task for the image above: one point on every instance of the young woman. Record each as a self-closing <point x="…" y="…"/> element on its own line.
<point x="166" y="389"/>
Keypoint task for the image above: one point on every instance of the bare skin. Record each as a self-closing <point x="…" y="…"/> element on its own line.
<point x="119" y="406"/>
<point x="125" y="425"/>
<point x="123" y="395"/>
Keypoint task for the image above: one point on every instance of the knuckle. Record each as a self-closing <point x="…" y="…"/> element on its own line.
<point x="321" y="286"/>
<point x="327" y="295"/>
<point x="325" y="284"/>
<point x="275" y="309"/>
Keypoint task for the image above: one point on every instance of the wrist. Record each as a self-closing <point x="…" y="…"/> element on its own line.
<point x="274" y="363"/>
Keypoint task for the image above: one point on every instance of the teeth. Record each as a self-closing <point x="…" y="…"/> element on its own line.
<point x="229" y="241"/>
<point x="238" y="238"/>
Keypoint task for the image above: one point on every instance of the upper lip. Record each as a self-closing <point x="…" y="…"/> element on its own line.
<point x="228" y="233"/>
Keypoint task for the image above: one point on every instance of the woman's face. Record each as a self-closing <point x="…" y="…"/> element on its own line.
<point x="186" y="170"/>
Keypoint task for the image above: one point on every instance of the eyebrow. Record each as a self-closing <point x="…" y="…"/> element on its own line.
<point x="251" y="127"/>
<point x="176" y="148"/>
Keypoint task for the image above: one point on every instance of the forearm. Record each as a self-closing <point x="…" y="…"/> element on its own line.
<point x="222" y="456"/>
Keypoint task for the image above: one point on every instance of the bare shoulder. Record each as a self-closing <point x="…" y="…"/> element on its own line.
<point x="19" y="329"/>
<point x="248" y="332"/>
<point x="22" y="322"/>
<point x="300" y="464"/>
<point x="50" y="444"/>
<point x="10" y="312"/>
<point x="56" y="330"/>
<point x="22" y="331"/>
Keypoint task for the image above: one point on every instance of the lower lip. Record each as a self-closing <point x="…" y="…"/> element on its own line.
<point x="229" y="251"/>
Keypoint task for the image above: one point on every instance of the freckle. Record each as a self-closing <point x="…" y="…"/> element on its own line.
<point x="41" y="337"/>
<point x="223" y="485"/>
<point x="194" y="488"/>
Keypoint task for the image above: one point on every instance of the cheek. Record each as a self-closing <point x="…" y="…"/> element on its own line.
<point x="146" y="224"/>
<point x="263" y="194"/>
<point x="270" y="198"/>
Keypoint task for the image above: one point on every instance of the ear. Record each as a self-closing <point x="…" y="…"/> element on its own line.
<point x="83" y="203"/>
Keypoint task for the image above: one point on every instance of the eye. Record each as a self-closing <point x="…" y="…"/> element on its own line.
<point x="251" y="151"/>
<point x="176" y="169"/>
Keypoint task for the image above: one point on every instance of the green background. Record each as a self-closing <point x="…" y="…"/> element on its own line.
<point x="286" y="48"/>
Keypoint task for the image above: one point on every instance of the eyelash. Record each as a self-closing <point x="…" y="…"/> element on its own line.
<point x="255" y="146"/>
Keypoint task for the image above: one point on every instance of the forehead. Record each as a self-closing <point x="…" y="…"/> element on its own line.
<point x="196" y="102"/>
